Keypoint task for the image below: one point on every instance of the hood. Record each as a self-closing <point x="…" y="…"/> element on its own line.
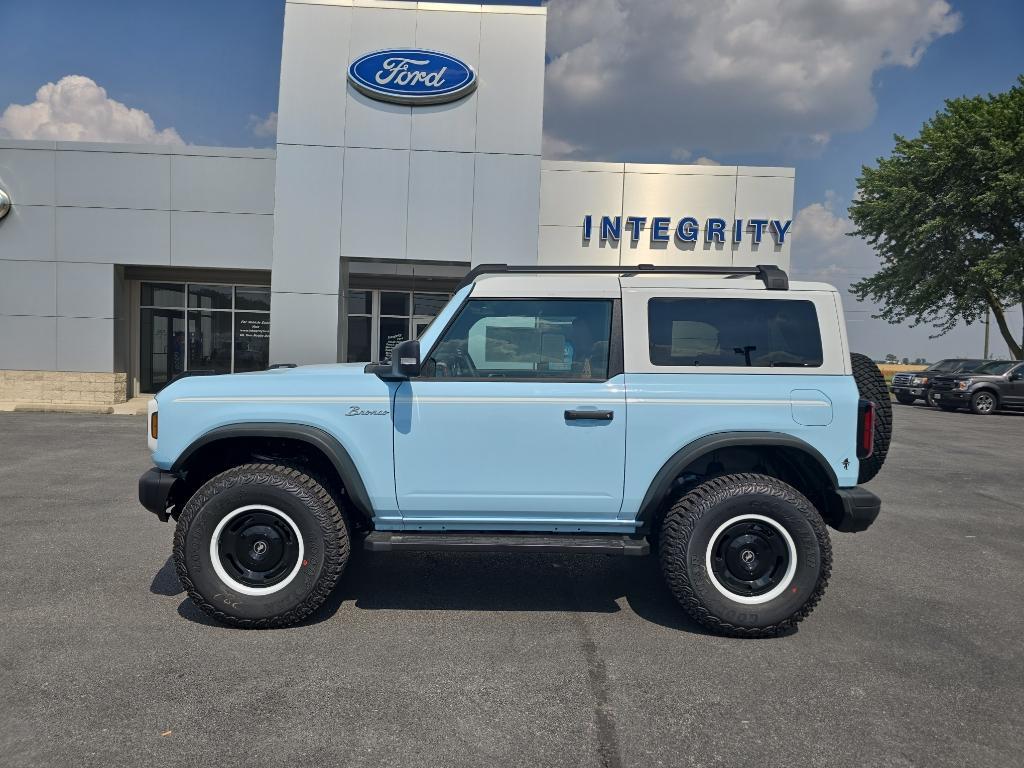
<point x="312" y="380"/>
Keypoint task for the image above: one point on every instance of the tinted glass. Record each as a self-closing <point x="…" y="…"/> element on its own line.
<point x="392" y="303"/>
<point x="393" y="331"/>
<point x="359" y="302"/>
<point x="429" y="304"/>
<point x="252" y="341"/>
<point x="996" y="367"/>
<point x="971" y="365"/>
<point x="252" y="299"/>
<point x="358" y="340"/>
<point x="161" y="346"/>
<point x="209" y="341"/>
<point x="734" y="332"/>
<point x="162" y="295"/>
<point x="209" y="297"/>
<point x="946" y="365"/>
<point x="503" y="338"/>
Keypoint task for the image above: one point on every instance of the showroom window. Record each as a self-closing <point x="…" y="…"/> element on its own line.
<point x="379" y="320"/>
<point x="201" y="327"/>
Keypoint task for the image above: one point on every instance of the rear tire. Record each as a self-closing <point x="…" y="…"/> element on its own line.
<point x="871" y="385"/>
<point x="905" y="399"/>
<point x="261" y="545"/>
<point x="984" y="403"/>
<point x="745" y="555"/>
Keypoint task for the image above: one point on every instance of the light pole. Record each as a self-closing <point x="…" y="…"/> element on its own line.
<point x="988" y="316"/>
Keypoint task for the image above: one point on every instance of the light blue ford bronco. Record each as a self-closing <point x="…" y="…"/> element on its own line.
<point x="714" y="416"/>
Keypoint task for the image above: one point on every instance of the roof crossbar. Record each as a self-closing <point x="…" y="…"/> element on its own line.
<point x="774" y="278"/>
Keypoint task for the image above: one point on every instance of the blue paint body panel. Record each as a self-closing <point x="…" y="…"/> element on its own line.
<point x="669" y="411"/>
<point x="504" y="450"/>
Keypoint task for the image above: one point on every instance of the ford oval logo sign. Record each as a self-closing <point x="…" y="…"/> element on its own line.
<point x="412" y="76"/>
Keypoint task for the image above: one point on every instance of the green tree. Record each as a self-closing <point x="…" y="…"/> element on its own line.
<point x="945" y="214"/>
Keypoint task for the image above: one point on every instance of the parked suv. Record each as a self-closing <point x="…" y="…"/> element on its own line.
<point x="997" y="384"/>
<point x="720" y="422"/>
<point x="916" y="385"/>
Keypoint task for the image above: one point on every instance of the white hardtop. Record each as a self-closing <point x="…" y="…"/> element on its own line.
<point x="604" y="285"/>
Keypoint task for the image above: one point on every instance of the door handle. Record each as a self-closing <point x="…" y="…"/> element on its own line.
<point x="589" y="415"/>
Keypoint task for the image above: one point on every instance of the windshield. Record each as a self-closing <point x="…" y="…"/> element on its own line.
<point x="945" y="365"/>
<point x="996" y="368"/>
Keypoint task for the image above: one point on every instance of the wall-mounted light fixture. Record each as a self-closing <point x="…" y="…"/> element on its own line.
<point x="5" y="203"/>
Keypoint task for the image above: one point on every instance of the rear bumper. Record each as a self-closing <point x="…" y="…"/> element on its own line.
<point x="155" y="487"/>
<point x="854" y="509"/>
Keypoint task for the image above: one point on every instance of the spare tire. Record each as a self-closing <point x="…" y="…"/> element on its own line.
<point x="871" y="385"/>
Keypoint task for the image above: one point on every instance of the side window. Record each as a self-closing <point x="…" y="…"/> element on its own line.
<point x="525" y="339"/>
<point x="734" y="332"/>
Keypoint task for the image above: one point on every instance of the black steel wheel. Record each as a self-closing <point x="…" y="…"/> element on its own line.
<point x="257" y="546"/>
<point x="752" y="556"/>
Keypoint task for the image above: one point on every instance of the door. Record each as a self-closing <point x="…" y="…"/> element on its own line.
<point x="518" y="418"/>
<point x="1015" y="388"/>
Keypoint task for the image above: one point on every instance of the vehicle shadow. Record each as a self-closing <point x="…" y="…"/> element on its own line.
<point x="445" y="581"/>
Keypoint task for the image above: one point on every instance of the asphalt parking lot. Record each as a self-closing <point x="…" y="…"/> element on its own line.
<point x="914" y="658"/>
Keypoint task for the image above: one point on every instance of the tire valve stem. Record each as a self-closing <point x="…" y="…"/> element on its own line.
<point x="305" y="563"/>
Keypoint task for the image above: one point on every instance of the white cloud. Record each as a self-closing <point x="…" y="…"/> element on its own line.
<point x="264" y="127"/>
<point x="629" y="76"/>
<point x="823" y="251"/>
<point x="705" y="161"/>
<point x="77" y="109"/>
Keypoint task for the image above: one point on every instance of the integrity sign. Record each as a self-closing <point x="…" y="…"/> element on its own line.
<point x="661" y="229"/>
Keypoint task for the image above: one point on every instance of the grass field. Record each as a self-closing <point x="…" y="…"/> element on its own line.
<point x="888" y="369"/>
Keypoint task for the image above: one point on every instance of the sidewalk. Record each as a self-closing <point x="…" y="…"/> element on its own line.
<point x="134" y="407"/>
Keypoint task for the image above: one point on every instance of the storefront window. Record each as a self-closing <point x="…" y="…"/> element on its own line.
<point x="380" y="320"/>
<point x="201" y="327"/>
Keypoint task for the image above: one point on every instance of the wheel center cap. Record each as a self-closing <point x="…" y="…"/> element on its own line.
<point x="747" y="556"/>
<point x="260" y="547"/>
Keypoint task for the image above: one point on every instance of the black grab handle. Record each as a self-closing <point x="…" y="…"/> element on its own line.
<point x="589" y="415"/>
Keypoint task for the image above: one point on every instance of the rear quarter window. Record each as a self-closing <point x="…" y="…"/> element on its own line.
<point x="764" y="333"/>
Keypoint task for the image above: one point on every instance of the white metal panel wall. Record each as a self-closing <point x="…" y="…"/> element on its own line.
<point x="571" y="190"/>
<point x="80" y="209"/>
<point x="457" y="182"/>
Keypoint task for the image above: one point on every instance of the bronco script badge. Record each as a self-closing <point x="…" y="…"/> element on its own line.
<point x="412" y="76"/>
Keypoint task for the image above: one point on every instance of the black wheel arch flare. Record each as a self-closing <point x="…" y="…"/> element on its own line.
<point x="315" y="437"/>
<point x="663" y="481"/>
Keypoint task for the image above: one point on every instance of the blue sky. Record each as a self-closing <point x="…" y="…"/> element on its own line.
<point x="208" y="70"/>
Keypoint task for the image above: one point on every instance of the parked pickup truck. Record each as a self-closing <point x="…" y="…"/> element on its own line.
<point x="997" y="384"/>
<point x="916" y="385"/>
<point x="712" y="415"/>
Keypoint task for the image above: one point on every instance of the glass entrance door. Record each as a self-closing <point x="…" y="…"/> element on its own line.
<point x="380" y="320"/>
<point x="201" y="327"/>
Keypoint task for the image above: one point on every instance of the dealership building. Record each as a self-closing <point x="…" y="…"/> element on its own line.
<point x="408" y="151"/>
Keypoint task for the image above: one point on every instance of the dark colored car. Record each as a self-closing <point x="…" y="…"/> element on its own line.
<point x="997" y="384"/>
<point x="915" y="385"/>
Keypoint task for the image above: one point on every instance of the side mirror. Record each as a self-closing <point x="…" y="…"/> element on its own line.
<point x="405" y="360"/>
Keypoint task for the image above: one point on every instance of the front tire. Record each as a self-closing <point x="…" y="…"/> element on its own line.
<point x="261" y="545"/>
<point x="905" y="399"/>
<point x="745" y="555"/>
<point x="984" y="403"/>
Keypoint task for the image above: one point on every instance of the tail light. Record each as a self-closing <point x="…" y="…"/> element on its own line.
<point x="865" y="429"/>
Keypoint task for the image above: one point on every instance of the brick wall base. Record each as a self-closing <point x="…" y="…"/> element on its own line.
<point x="63" y="387"/>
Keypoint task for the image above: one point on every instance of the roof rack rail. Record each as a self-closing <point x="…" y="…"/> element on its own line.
<point x="774" y="278"/>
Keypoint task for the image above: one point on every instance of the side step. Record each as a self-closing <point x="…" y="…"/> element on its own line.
<point x="575" y="543"/>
